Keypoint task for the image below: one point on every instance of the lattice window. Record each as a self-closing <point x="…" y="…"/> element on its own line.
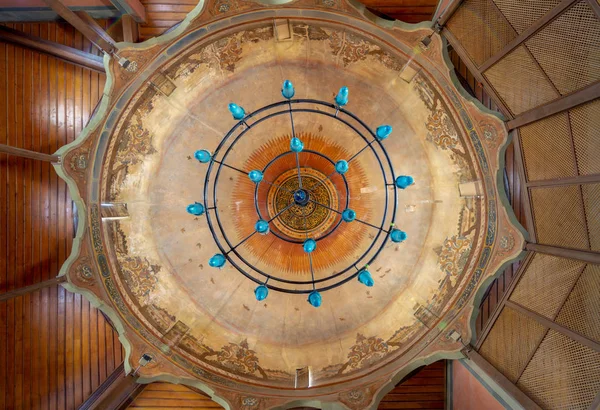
<point x="522" y="14"/>
<point x="585" y="125"/>
<point x="581" y="311"/>
<point x="546" y="283"/>
<point x="568" y="48"/>
<point x="548" y="149"/>
<point x="511" y="342"/>
<point x="563" y="374"/>
<point x="559" y="216"/>
<point x="520" y="82"/>
<point x="481" y="29"/>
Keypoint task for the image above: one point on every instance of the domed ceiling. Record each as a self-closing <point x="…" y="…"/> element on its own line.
<point x="144" y="260"/>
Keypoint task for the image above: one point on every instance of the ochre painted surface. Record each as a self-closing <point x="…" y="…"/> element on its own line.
<point x="468" y="393"/>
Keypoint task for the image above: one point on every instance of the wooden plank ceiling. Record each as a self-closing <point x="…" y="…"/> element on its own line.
<point x="55" y="348"/>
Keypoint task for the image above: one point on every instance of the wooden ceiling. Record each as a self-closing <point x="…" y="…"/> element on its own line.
<point x="408" y="11"/>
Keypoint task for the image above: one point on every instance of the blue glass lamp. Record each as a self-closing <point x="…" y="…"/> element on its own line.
<point x="314" y="298"/>
<point x="217" y="260"/>
<point x="365" y="277"/>
<point x="383" y="131"/>
<point x="288" y="89"/>
<point x="296" y="145"/>
<point x="341" y="167"/>
<point x="398" y="236"/>
<point x="237" y="111"/>
<point x="341" y="98"/>
<point x="261" y="292"/>
<point x="195" y="209"/>
<point x="404" y="181"/>
<point x="202" y="155"/>
<point x="262" y="227"/>
<point x="348" y="215"/>
<point x="309" y="245"/>
<point x="255" y="176"/>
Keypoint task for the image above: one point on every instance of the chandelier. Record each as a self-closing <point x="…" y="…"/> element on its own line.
<point x="299" y="194"/>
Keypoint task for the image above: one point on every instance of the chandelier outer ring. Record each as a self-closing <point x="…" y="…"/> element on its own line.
<point x="267" y="276"/>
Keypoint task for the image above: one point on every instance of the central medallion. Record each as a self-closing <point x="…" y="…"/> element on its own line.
<point x="304" y="217"/>
<point x="301" y="197"/>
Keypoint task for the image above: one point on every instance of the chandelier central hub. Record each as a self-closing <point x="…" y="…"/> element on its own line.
<point x="301" y="197"/>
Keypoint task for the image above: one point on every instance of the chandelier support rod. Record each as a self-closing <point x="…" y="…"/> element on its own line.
<point x="246" y="173"/>
<point x="297" y="155"/>
<point x="243" y="240"/>
<point x="359" y="152"/>
<point x="357" y="220"/>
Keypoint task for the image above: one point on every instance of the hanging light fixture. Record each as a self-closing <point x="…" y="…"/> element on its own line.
<point x="300" y="197"/>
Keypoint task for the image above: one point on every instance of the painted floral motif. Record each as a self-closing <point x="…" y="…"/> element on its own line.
<point x="135" y="143"/>
<point x="240" y="358"/>
<point x="139" y="275"/>
<point x="364" y="352"/>
<point x="348" y="46"/>
<point x="454" y="254"/>
<point x="441" y="130"/>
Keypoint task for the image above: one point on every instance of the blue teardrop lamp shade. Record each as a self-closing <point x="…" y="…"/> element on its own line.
<point x="255" y="176"/>
<point x="383" y="131"/>
<point x="237" y="111"/>
<point x="261" y="292"/>
<point x="195" y="209"/>
<point x="404" y="181"/>
<point x="341" y="167"/>
<point x="296" y="145"/>
<point x="365" y="278"/>
<point x="217" y="260"/>
<point x="314" y="298"/>
<point x="341" y="98"/>
<point x="309" y="245"/>
<point x="348" y="215"/>
<point x="398" y="236"/>
<point x="202" y="155"/>
<point x="262" y="227"/>
<point x="288" y="89"/>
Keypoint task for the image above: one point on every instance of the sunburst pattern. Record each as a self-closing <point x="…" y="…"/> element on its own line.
<point x="287" y="257"/>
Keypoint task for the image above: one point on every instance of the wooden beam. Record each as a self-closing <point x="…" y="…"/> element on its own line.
<point x="115" y="393"/>
<point x="132" y="8"/>
<point x="537" y="25"/>
<point x="555" y="326"/>
<point x="448" y="12"/>
<point x="96" y="28"/>
<point x="473" y="69"/>
<point x="584" y="256"/>
<point x="80" y="25"/>
<point x="65" y="53"/>
<point x="513" y="283"/>
<point x="596" y="403"/>
<point x="501" y="380"/>
<point x="567" y="102"/>
<point x="25" y="153"/>
<point x="525" y="198"/>
<point x="32" y="288"/>
<point x="130" y="29"/>
<point x="581" y="179"/>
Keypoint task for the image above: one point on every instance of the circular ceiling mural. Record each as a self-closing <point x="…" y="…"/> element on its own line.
<point x="145" y="260"/>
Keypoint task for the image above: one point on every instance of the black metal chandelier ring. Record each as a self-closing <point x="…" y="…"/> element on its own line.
<point x="301" y="196"/>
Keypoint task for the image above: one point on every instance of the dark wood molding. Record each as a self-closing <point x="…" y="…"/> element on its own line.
<point x="25" y="153"/>
<point x="539" y="24"/>
<point x="521" y="174"/>
<point x="69" y="54"/>
<point x="130" y="29"/>
<point x="115" y="393"/>
<point x="555" y="326"/>
<point x="567" y="102"/>
<point x="84" y="28"/>
<point x="581" y="179"/>
<point x="501" y="380"/>
<point x="96" y="28"/>
<point x="584" y="256"/>
<point x="32" y="288"/>
<point x="596" y="403"/>
<point x="473" y="69"/>
<point x="494" y="316"/>
<point x="133" y="8"/>
<point x="596" y="7"/>
<point x="448" y="12"/>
